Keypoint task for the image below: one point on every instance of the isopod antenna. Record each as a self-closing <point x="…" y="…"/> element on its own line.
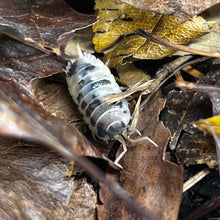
<point x="80" y="53"/>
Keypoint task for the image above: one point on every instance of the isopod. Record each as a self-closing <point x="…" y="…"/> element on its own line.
<point x="89" y="81"/>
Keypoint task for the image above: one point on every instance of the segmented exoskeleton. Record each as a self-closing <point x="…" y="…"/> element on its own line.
<point x="89" y="82"/>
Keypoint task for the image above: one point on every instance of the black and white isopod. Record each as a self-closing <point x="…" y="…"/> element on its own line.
<point x="89" y="81"/>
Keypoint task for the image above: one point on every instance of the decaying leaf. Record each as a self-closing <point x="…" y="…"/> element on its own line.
<point x="118" y="19"/>
<point x="210" y="125"/>
<point x="46" y="25"/>
<point x="183" y="108"/>
<point x="182" y="9"/>
<point x="155" y="182"/>
<point x="196" y="148"/>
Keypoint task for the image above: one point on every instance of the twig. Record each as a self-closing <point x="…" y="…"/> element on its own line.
<point x="195" y="179"/>
<point x="170" y="68"/>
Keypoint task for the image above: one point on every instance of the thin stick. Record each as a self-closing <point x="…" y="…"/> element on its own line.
<point x="171" y="75"/>
<point x="195" y="179"/>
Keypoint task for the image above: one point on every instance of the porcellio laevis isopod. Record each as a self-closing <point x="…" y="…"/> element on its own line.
<point x="89" y="81"/>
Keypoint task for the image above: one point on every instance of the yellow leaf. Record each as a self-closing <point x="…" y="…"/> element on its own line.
<point x="209" y="125"/>
<point x="117" y="20"/>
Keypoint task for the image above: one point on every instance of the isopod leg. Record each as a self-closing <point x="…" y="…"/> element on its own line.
<point x="142" y="139"/>
<point x="122" y="141"/>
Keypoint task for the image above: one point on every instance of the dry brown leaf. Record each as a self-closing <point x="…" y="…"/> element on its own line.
<point x="34" y="184"/>
<point x="155" y="182"/>
<point x="46" y="25"/>
<point x="55" y="98"/>
<point x="131" y="75"/>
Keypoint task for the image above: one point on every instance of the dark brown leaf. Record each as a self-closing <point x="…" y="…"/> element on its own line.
<point x="196" y="148"/>
<point x="155" y="182"/>
<point x="180" y="105"/>
<point x="46" y="25"/>
<point x="20" y="64"/>
<point x="212" y="127"/>
<point x="182" y="9"/>
<point x="182" y="108"/>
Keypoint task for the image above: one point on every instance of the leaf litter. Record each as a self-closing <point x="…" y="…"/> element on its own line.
<point x="24" y="118"/>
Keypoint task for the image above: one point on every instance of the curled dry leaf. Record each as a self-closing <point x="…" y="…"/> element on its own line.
<point x="21" y="117"/>
<point x="24" y="66"/>
<point x="117" y="19"/>
<point x="155" y="182"/>
<point x="182" y="9"/>
<point x="46" y="25"/>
